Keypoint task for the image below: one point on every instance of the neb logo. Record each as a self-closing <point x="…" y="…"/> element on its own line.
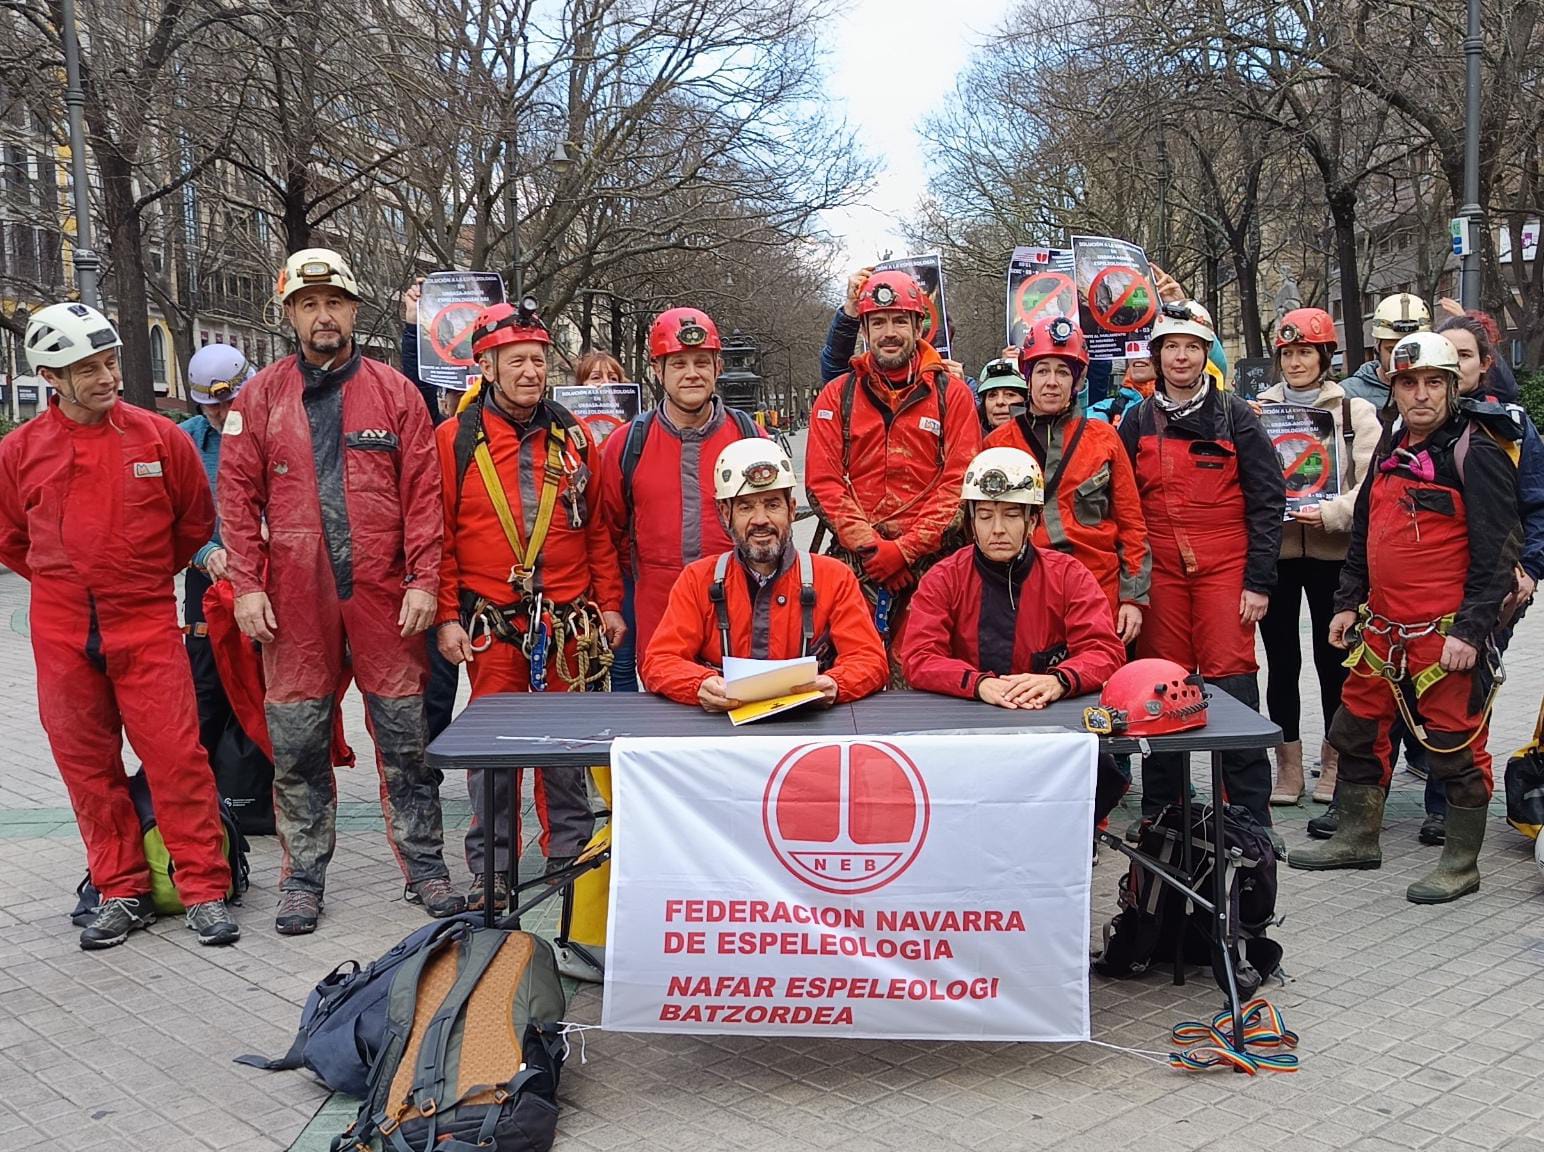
<point x="845" y="818"/>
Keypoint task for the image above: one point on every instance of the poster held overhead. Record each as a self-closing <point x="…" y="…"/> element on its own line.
<point x="928" y="272"/>
<point x="447" y="309"/>
<point x="1040" y="284"/>
<point x="1117" y="301"/>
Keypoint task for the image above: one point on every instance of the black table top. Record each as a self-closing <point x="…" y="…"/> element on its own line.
<point x="561" y="729"/>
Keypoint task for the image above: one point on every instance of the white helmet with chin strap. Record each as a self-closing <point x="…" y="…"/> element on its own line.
<point x="1008" y="475"/>
<point x="1182" y="318"/>
<point x="747" y="467"/>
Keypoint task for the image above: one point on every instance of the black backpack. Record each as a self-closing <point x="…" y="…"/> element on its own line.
<point x="244" y="776"/>
<point x="1153" y="923"/>
<point x="163" y="868"/>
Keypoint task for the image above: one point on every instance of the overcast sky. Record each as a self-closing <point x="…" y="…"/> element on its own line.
<point x="892" y="61"/>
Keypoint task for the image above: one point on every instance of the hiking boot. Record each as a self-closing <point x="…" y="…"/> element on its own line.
<point x="437" y="895"/>
<point x="556" y="864"/>
<point x="115" y="918"/>
<point x="298" y="913"/>
<point x="1323" y="827"/>
<point x="474" y="894"/>
<point x="1355" y="842"/>
<point x="1457" y="873"/>
<point x="1433" y="829"/>
<point x="1134" y="831"/>
<point x="213" y="923"/>
<point x="1289" y="774"/>
<point x="1277" y="843"/>
<point x="1329" y="769"/>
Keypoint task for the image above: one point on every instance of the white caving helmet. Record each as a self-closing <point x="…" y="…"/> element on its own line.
<point x="62" y="334"/>
<point x="1400" y="315"/>
<point x="1006" y="474"/>
<point x="216" y="373"/>
<point x="750" y="466"/>
<point x="1424" y="350"/>
<point x="1185" y="317"/>
<point x="311" y="266"/>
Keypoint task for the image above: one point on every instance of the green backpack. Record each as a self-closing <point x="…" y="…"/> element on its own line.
<point x="162" y="867"/>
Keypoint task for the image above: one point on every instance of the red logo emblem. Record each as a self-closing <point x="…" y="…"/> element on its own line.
<point x="845" y="818"/>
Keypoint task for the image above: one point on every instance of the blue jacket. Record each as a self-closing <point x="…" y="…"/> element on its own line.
<point x="1111" y="409"/>
<point x="841" y="342"/>
<point x="207" y="441"/>
<point x="410" y="369"/>
<point x="1530" y="498"/>
<point x="1366" y="384"/>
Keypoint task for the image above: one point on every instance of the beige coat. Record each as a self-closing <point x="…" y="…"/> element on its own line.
<point x="1331" y="541"/>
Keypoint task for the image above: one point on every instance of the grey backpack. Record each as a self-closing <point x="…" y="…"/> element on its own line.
<point x="472" y="1049"/>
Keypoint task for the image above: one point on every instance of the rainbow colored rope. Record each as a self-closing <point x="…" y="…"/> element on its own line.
<point x="1208" y="1046"/>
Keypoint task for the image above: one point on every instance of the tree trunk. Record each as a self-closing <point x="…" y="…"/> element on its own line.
<point x="1342" y="203"/>
<point x="297" y="225"/>
<point x="125" y="243"/>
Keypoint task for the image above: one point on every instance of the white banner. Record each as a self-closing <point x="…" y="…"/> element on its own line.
<point x="927" y="887"/>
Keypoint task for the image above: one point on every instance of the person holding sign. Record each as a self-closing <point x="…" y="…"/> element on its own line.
<point x="1440" y="500"/>
<point x="888" y="445"/>
<point x="1136" y="385"/>
<point x="763" y="599"/>
<point x="1213" y="498"/>
<point x="1313" y="544"/>
<point x="530" y="593"/>
<point x="658" y="474"/>
<point x="330" y="513"/>
<point x="1007" y="622"/>
<point x="1092" y="510"/>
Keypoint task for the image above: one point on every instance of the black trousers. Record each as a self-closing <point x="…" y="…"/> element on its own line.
<point x="1246" y="775"/>
<point x="214" y="708"/>
<point x="1280" y="632"/>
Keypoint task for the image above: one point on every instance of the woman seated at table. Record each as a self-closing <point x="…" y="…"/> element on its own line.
<point x="766" y="600"/>
<point x="1006" y="622"/>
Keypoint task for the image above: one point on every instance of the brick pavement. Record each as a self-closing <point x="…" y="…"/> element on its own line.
<point x="1420" y="1026"/>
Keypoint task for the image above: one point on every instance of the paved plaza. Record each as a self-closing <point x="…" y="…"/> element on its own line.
<point x="1420" y="1027"/>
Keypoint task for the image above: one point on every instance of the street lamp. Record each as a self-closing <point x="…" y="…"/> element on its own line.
<point x="85" y="257"/>
<point x="561" y="161"/>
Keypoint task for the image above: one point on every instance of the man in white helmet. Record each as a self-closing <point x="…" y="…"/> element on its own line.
<point x="1007" y="623"/>
<point x="216" y="374"/>
<point x="333" y="454"/>
<point x="1434" y="542"/>
<point x="1394" y="318"/>
<point x="765" y="600"/>
<point x="101" y="504"/>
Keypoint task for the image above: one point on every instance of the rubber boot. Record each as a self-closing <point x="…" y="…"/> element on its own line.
<point x="1289" y="774"/>
<point x="1457" y="873"/>
<point x="1355" y="843"/>
<point x="1329" y="768"/>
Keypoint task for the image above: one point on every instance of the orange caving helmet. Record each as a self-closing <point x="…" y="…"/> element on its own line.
<point x="501" y="324"/>
<point x="682" y="330"/>
<point x="1307" y="326"/>
<point x="892" y="291"/>
<point x="1149" y="698"/>
<point x="1057" y="336"/>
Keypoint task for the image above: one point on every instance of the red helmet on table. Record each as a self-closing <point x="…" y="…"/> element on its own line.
<point x="1057" y="336"/>
<point x="892" y="291"/>
<point x="682" y="330"/>
<point x="503" y="323"/>
<point x="1149" y="698"/>
<point x="1307" y="326"/>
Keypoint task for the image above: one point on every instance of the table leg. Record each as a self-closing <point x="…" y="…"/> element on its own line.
<point x="1220" y="910"/>
<point x="490" y="844"/>
<point x="1187" y="863"/>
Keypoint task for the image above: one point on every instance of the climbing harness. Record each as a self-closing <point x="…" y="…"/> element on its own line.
<point x="542" y="629"/>
<point x="806" y="601"/>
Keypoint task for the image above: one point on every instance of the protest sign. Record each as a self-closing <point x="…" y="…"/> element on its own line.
<point x="837" y="887"/>
<point x="603" y="408"/>
<point x="1040" y="284"/>
<point x="447" y="308"/>
<point x="927" y="271"/>
<point x="1117" y="301"/>
<point x="1306" y="445"/>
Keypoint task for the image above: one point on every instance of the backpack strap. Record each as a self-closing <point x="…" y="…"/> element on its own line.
<point x="849" y="389"/>
<point x="806" y="600"/>
<point x="720" y="602"/>
<point x="1348" y="434"/>
<point x="749" y="429"/>
<point x="477" y="952"/>
<point x="632" y="452"/>
<point x="526" y="552"/>
<point x="1461" y="451"/>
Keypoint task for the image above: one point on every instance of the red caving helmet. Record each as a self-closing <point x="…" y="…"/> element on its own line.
<point x="1307" y="326"/>
<point x="892" y="291"/>
<point x="1057" y="336"/>
<point x="682" y="330"/>
<point x="501" y="324"/>
<point x="1149" y="698"/>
